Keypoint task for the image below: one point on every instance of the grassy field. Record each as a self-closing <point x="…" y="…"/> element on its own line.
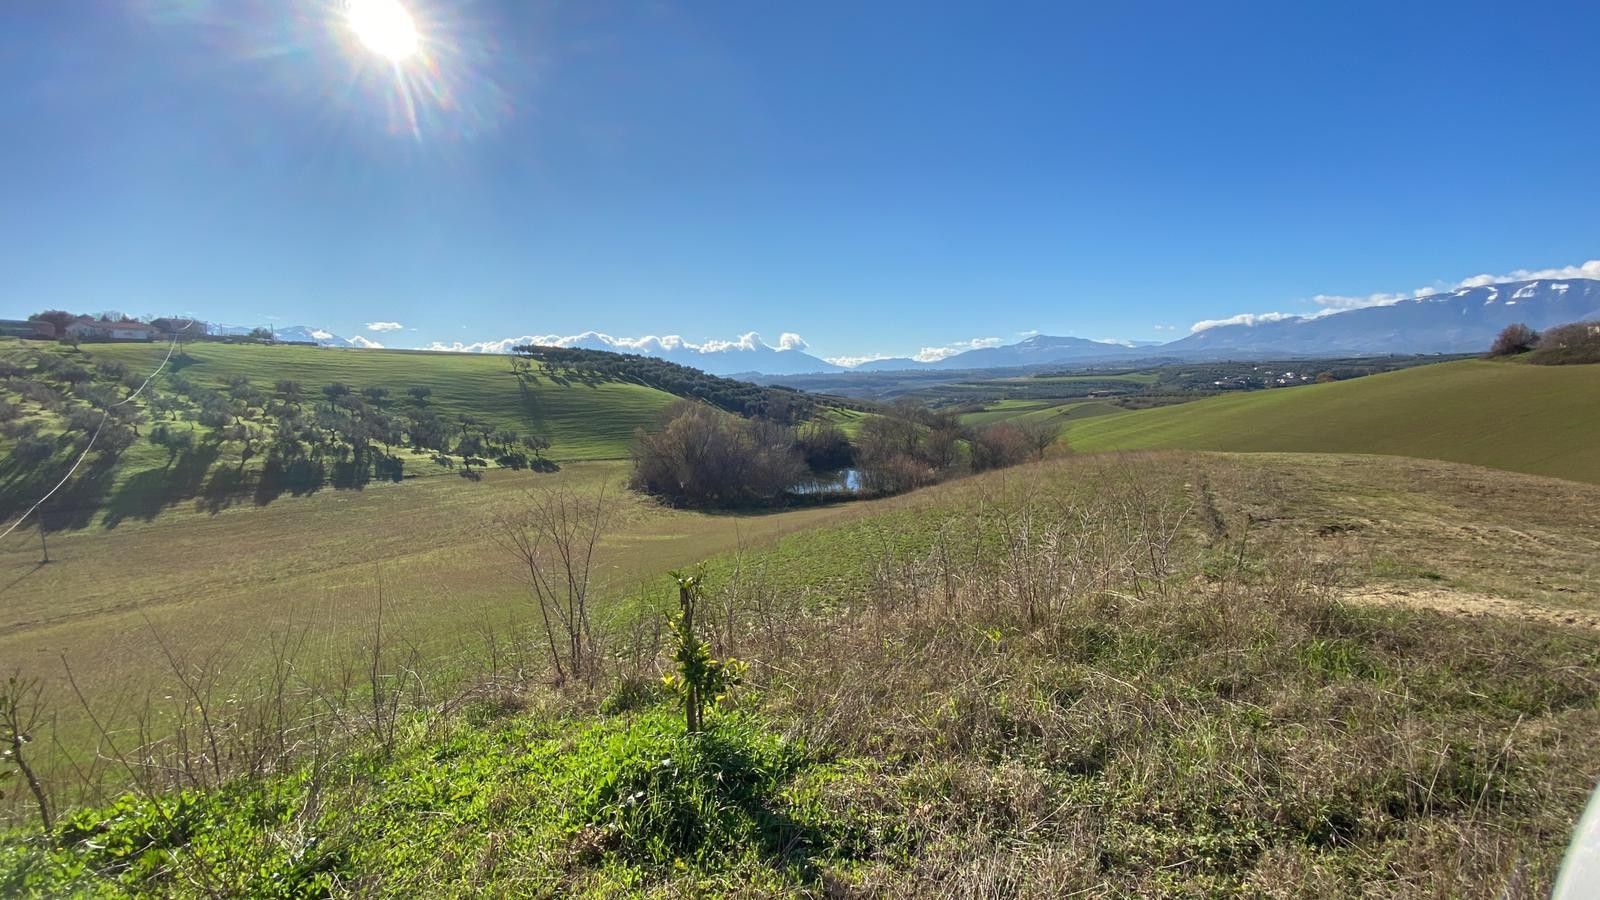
<point x="582" y="421"/>
<point x="1019" y="411"/>
<point x="1162" y="674"/>
<point x="1536" y="419"/>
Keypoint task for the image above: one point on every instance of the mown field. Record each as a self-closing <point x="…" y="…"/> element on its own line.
<point x="1167" y="674"/>
<point x="1543" y="420"/>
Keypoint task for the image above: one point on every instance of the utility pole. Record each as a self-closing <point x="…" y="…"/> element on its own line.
<point x="44" y="547"/>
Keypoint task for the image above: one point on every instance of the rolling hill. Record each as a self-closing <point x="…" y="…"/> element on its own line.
<point x="212" y="429"/>
<point x="1543" y="420"/>
<point x="582" y="421"/>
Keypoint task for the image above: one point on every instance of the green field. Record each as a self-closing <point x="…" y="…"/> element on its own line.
<point x="1029" y="411"/>
<point x="1210" y="690"/>
<point x="582" y="421"/>
<point x="1544" y="420"/>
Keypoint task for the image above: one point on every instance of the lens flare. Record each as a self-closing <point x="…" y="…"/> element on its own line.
<point x="384" y="26"/>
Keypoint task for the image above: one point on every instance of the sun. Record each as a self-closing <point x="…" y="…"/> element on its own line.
<point x="384" y="26"/>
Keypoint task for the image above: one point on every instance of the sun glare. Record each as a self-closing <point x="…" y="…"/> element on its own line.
<point x="384" y="27"/>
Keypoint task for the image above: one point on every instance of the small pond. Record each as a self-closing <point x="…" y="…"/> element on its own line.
<point x="839" y="481"/>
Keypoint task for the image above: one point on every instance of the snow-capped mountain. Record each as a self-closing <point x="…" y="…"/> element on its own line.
<point x="1039" y="350"/>
<point x="747" y="355"/>
<point x="300" y="334"/>
<point x="1461" y="321"/>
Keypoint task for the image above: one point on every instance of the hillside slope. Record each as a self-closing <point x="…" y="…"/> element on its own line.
<point x="1534" y="419"/>
<point x="582" y="421"/>
<point x="1157" y="675"/>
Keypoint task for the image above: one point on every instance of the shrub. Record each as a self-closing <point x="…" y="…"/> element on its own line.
<point x="1572" y="344"/>
<point x="1514" y="339"/>
<point x="998" y="446"/>
<point x="658" y="795"/>
<point x="824" y="446"/>
<point x="703" y="457"/>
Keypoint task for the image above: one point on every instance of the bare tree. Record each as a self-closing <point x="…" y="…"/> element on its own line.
<point x="1041" y="435"/>
<point x="21" y="712"/>
<point x="554" y="540"/>
<point x="1513" y="339"/>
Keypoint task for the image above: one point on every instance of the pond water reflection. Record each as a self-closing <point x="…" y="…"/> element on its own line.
<point x="840" y="481"/>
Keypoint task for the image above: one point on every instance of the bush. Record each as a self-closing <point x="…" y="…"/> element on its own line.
<point x="658" y="795"/>
<point x="824" y="446"/>
<point x="998" y="446"/>
<point x="1514" y="339"/>
<point x="1573" y="344"/>
<point x="702" y="457"/>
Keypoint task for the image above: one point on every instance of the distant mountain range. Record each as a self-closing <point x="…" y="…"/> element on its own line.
<point x="746" y="355"/>
<point x="1460" y="321"/>
<point x="1041" y="349"/>
<point x="301" y="334"/>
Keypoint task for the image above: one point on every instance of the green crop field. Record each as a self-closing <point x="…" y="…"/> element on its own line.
<point x="1027" y="411"/>
<point x="1544" y="420"/>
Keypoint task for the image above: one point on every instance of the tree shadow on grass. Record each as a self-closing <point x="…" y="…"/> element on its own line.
<point x="144" y="495"/>
<point x="70" y="507"/>
<point x="300" y="477"/>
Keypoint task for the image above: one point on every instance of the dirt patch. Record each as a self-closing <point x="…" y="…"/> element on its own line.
<point x="1468" y="604"/>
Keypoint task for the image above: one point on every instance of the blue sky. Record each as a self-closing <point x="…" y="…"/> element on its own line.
<point x="876" y="177"/>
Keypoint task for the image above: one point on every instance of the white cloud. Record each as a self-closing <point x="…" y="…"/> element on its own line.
<point x="321" y="335"/>
<point x="384" y="326"/>
<point x="934" y="354"/>
<point x="747" y="341"/>
<point x="1028" y="334"/>
<point x="501" y="346"/>
<point x="1241" y="319"/>
<point x="1337" y="303"/>
<point x="1165" y="327"/>
<point x="650" y="345"/>
<point x="359" y="341"/>
<point x="1590" y="269"/>
<point x="850" y="362"/>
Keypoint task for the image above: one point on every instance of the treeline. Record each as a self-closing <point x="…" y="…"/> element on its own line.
<point x="701" y="456"/>
<point x="1573" y="344"/>
<point x="776" y="403"/>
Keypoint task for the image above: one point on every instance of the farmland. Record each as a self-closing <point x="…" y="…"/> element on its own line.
<point x="1169" y="638"/>
<point x="1303" y="602"/>
<point x="1544" y="420"/>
